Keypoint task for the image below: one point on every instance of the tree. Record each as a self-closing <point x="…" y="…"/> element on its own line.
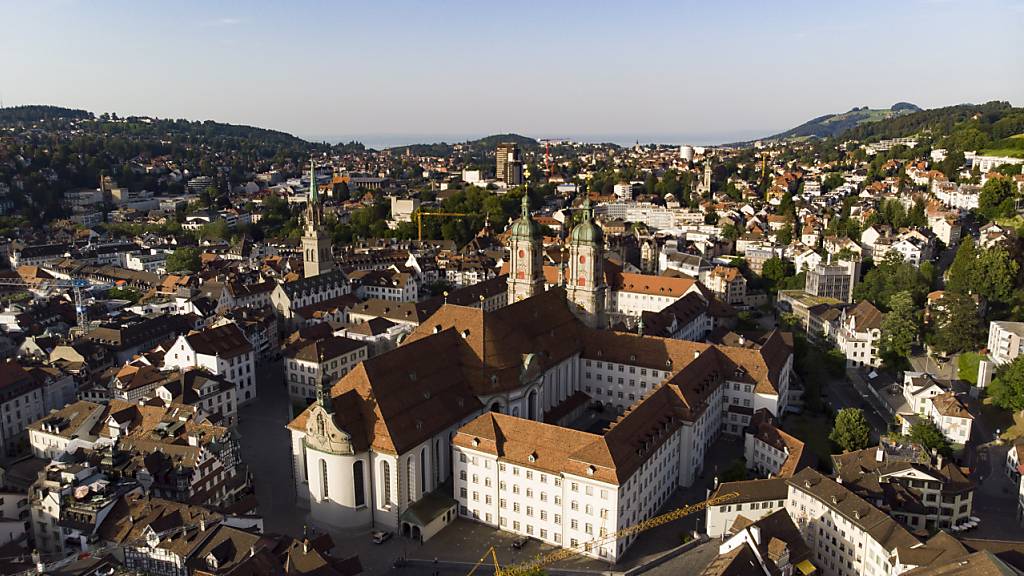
<point x="890" y="276"/>
<point x="775" y="269"/>
<point x="900" y="327"/>
<point x="959" y="273"/>
<point x="995" y="274"/>
<point x="1007" y="388"/>
<point x="955" y="322"/>
<point x="184" y="259"/>
<point x="996" y="198"/>
<point x="785" y="235"/>
<point x="729" y="231"/>
<point x="851" y="430"/>
<point x="928" y="435"/>
<point x="216" y="230"/>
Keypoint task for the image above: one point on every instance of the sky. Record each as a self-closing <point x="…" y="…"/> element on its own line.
<point x="396" y="71"/>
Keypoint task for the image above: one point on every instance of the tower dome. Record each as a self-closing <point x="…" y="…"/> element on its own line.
<point x="587" y="230"/>
<point x="525" y="228"/>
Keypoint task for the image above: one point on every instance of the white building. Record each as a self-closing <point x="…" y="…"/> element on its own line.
<point x="847" y="535"/>
<point x="754" y="500"/>
<point x="934" y="400"/>
<point x="223" y="351"/>
<point x="558" y="366"/>
<point x="309" y="362"/>
<point x="22" y="401"/>
<point x="1004" y="340"/>
<point x="859" y="335"/>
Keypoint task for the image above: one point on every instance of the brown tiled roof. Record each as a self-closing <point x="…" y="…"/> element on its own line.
<point x="540" y="329"/>
<point x="225" y="341"/>
<point x="868" y="317"/>
<point x="653" y="285"/>
<point x="324" y="348"/>
<point x="948" y="404"/>
<point x="854" y="509"/>
<point x="395" y="401"/>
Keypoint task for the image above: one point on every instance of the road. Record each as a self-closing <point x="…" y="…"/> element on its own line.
<point x="839" y="394"/>
<point x="266" y="450"/>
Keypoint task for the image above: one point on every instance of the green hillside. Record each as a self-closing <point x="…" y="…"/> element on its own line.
<point x="831" y="125"/>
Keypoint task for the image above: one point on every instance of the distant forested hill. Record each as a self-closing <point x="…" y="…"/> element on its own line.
<point x="834" y="124"/>
<point x="35" y="113"/>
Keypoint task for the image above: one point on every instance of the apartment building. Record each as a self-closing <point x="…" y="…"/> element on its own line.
<point x="1004" y="340"/>
<point x="309" y="361"/>
<point x="223" y="351"/>
<point x="859" y="335"/>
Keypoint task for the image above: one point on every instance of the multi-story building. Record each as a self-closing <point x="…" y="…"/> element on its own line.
<point x="833" y="280"/>
<point x="630" y="295"/>
<point x="846" y="534"/>
<point x="158" y="536"/>
<point x="1004" y="340"/>
<point x="51" y="436"/>
<point x="215" y="395"/>
<point x="935" y="400"/>
<point x="22" y="401"/>
<point x="222" y="351"/>
<point x="390" y="285"/>
<point x="754" y="499"/>
<point x="288" y="297"/>
<point x="904" y="482"/>
<point x="508" y="165"/>
<point x="770" y="451"/>
<point x="308" y="362"/>
<point x="859" y="334"/>
<point x="727" y="284"/>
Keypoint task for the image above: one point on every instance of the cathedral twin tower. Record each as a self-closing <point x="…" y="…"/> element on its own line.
<point x="584" y="280"/>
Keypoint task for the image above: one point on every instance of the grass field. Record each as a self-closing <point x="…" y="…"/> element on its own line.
<point x="1010" y="425"/>
<point x="1011" y="152"/>
<point x="967" y="366"/>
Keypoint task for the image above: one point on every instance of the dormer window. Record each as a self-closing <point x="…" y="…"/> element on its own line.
<point x="532" y="457"/>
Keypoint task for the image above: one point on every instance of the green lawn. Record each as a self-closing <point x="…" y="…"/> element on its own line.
<point x="968" y="366"/>
<point x="1011" y="152"/>
<point x="813" y="430"/>
<point x="1010" y="425"/>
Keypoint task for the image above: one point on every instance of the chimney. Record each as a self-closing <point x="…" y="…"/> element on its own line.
<point x="743" y="340"/>
<point x="938" y="461"/>
<point x="252" y="551"/>
<point x="305" y="545"/>
<point x="879" y="453"/>
<point x="696" y="354"/>
<point x="202" y="524"/>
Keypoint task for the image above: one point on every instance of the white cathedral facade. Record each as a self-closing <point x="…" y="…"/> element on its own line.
<point x="471" y="414"/>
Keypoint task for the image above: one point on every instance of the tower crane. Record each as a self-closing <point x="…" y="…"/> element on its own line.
<point x="46" y="285"/>
<point x="531" y="566"/>
<point x="419" y="220"/>
<point x="547" y="153"/>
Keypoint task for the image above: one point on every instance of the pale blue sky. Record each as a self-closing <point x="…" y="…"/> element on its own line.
<point x="704" y="70"/>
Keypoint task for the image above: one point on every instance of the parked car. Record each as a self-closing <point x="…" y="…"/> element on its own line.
<point x="380" y="536"/>
<point x="518" y="543"/>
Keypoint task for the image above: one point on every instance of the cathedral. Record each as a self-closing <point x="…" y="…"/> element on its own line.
<point x="477" y="409"/>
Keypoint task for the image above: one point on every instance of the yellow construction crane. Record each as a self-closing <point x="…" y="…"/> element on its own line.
<point x="531" y="566"/>
<point x="419" y="219"/>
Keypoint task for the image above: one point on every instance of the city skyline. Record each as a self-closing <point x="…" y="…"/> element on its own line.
<point x="406" y="72"/>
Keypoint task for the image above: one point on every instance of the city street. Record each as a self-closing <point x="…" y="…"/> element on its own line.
<point x="266" y="450"/>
